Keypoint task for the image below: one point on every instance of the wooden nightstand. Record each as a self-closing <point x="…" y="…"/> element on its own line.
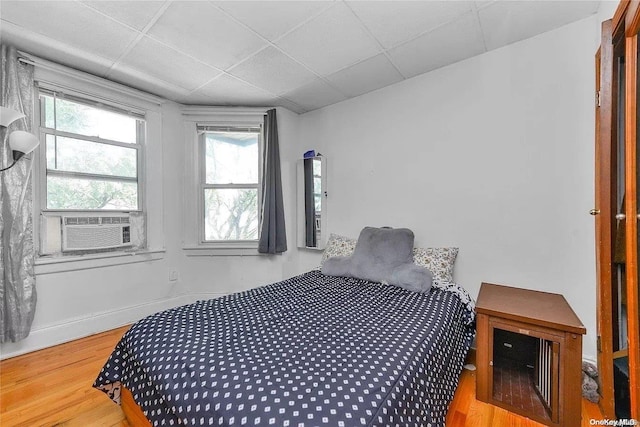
<point x="545" y="385"/>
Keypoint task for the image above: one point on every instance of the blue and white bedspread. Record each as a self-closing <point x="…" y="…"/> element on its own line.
<point x="312" y="350"/>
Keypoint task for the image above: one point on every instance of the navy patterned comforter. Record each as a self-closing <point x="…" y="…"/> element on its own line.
<point x="312" y="350"/>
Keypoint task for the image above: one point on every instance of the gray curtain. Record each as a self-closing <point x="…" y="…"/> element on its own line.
<point x="273" y="237"/>
<point x="17" y="279"/>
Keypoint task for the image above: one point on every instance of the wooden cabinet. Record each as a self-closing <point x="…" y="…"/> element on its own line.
<point x="549" y="382"/>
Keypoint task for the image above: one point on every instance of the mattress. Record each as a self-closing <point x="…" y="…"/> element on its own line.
<point x="308" y="351"/>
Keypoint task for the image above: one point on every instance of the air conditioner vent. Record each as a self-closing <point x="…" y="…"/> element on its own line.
<point x="95" y="220"/>
<point x="95" y="232"/>
<point x="115" y="220"/>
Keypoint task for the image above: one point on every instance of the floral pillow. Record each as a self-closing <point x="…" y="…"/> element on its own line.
<point x="439" y="261"/>
<point x="338" y="245"/>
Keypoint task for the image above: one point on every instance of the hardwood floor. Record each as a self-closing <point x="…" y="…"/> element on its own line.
<point x="52" y="387"/>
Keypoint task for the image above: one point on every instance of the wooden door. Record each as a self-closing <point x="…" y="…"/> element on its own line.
<point x="616" y="213"/>
<point x="603" y="214"/>
<point x="632" y="301"/>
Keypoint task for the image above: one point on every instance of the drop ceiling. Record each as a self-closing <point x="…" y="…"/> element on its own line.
<point x="301" y="55"/>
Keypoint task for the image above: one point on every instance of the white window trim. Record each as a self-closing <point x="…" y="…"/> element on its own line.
<point x="194" y="244"/>
<point x="53" y="76"/>
<point x="83" y="262"/>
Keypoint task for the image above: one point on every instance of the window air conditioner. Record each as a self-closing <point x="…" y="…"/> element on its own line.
<point x="81" y="233"/>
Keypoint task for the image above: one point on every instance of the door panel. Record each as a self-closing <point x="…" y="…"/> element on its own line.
<point x="631" y="298"/>
<point x="604" y="214"/>
<point x="616" y="214"/>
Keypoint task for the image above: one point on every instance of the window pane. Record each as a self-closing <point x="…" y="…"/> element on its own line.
<point x="48" y="120"/>
<point x="91" y="121"/>
<point x="75" y="193"/>
<point x="51" y="151"/>
<point x="76" y="155"/>
<point x="231" y="214"/>
<point x="231" y="157"/>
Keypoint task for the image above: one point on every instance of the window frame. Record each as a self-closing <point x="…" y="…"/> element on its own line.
<point x="193" y="223"/>
<point x="201" y="132"/>
<point x="95" y="102"/>
<point x="49" y="75"/>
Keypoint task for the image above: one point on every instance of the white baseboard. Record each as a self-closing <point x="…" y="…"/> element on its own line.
<point x="73" y="329"/>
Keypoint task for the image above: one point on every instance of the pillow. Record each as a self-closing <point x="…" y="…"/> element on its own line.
<point x="439" y="261"/>
<point x="338" y="245"/>
<point x="382" y="255"/>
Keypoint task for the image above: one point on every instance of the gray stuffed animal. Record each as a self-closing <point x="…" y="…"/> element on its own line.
<point x="590" y="382"/>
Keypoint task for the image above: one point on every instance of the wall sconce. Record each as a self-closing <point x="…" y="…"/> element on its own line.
<point x="20" y="142"/>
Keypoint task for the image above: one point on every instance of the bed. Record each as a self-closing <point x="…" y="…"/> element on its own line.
<point x="308" y="351"/>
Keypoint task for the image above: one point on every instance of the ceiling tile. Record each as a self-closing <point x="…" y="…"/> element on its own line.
<point x="274" y="71"/>
<point x="368" y="75"/>
<point x="136" y="14"/>
<point x="317" y="94"/>
<point x="53" y="50"/>
<point x="393" y="22"/>
<point x="508" y="22"/>
<point x="272" y="19"/>
<point x="227" y="90"/>
<point x="448" y="44"/>
<point x="332" y="41"/>
<point x="144" y="82"/>
<point x="484" y="3"/>
<point x="205" y="32"/>
<point x="161" y="61"/>
<point x="289" y="105"/>
<point x="72" y="23"/>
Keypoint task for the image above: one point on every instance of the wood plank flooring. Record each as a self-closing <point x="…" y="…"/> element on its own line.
<point x="52" y="387"/>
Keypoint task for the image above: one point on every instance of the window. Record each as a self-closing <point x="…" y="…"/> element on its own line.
<point x="92" y="155"/>
<point x="230" y="163"/>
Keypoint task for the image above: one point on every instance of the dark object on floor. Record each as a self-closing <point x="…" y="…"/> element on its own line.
<point x="590" y="382"/>
<point x="621" y="387"/>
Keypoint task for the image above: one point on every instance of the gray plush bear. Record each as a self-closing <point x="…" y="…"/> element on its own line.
<point x="590" y="382"/>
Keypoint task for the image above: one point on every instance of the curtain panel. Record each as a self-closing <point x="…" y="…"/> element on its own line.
<point x="273" y="236"/>
<point x="17" y="278"/>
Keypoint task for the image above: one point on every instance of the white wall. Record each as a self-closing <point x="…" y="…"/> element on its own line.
<point x="493" y="155"/>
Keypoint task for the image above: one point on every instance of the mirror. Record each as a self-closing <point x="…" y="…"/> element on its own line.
<point x="311" y="202"/>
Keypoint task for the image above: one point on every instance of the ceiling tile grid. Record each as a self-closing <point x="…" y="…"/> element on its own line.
<point x="394" y="22"/>
<point x="274" y="71"/>
<point x="71" y="23"/>
<point x="332" y="41"/>
<point x="302" y="55"/>
<point x="445" y="45"/>
<point x="136" y="14"/>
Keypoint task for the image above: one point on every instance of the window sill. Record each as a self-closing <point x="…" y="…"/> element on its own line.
<point x="60" y="264"/>
<point x="247" y="249"/>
